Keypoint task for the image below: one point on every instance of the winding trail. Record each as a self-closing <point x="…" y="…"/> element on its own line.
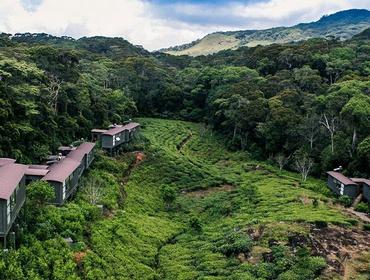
<point x="181" y="145"/>
<point x="123" y="194"/>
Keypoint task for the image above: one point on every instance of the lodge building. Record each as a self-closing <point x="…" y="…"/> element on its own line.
<point x="63" y="171"/>
<point x="115" y="136"/>
<point x="352" y="187"/>
<point x="12" y="194"/>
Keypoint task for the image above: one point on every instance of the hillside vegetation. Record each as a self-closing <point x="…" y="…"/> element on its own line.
<point x="190" y="209"/>
<point x="278" y="101"/>
<point x="342" y="25"/>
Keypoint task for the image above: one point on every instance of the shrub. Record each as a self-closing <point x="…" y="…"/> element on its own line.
<point x="40" y="192"/>
<point x="367" y="227"/>
<point x="362" y="207"/>
<point x="195" y="224"/>
<point x="168" y="194"/>
<point x="321" y="224"/>
<point x="315" y="203"/>
<point x="234" y="243"/>
<point x="345" y="200"/>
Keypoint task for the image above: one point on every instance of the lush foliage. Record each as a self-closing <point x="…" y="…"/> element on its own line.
<point x="309" y="98"/>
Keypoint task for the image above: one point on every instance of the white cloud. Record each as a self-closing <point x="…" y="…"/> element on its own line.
<point x="141" y="22"/>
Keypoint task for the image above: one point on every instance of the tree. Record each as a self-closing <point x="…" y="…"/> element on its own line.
<point x="330" y="123"/>
<point x="53" y="88"/>
<point x="309" y="129"/>
<point x="357" y="112"/>
<point x="40" y="192"/>
<point x="93" y="189"/>
<point x="281" y="160"/>
<point x="303" y="165"/>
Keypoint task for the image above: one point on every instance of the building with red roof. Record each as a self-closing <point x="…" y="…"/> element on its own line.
<point x="12" y="194"/>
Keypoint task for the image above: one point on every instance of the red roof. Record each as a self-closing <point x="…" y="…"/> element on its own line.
<point x="114" y="131"/>
<point x="38" y="166"/>
<point x="60" y="170"/>
<point x="36" y="172"/>
<point x="77" y="155"/>
<point x="131" y="125"/>
<point x="10" y="176"/>
<point x="4" y="161"/>
<point x="361" y="181"/>
<point x="81" y="151"/>
<point x="86" y="147"/>
<point x="119" y="128"/>
<point x="96" y="130"/>
<point x="341" y="178"/>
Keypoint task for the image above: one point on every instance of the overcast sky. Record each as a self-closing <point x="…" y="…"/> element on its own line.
<point x="160" y="23"/>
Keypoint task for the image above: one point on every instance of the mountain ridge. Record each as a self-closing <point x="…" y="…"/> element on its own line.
<point x="342" y="25"/>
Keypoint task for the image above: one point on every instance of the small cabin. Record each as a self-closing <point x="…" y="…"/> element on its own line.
<point x="64" y="176"/>
<point x="342" y="185"/>
<point x="118" y="135"/>
<point x="364" y="186"/>
<point x="12" y="194"/>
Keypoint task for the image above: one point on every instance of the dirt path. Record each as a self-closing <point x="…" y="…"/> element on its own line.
<point x="139" y="158"/>
<point x="184" y="142"/>
<point x="359" y="215"/>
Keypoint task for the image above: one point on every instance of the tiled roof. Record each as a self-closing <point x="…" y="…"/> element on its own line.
<point x="96" y="130"/>
<point x="81" y="151"/>
<point x="361" y="180"/>
<point x="77" y="155"/>
<point x="10" y="176"/>
<point x="341" y="178"/>
<point x="86" y="147"/>
<point x="60" y="170"/>
<point x="36" y="172"/>
<point x="38" y="166"/>
<point x="119" y="128"/>
<point x="4" y="161"/>
<point x="131" y="125"/>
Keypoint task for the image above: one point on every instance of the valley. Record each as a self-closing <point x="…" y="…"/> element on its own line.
<point x="203" y="212"/>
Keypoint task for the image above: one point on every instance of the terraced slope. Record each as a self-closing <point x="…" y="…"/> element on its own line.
<point x="232" y="218"/>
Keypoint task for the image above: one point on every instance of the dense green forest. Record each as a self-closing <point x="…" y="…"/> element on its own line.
<point x="278" y="102"/>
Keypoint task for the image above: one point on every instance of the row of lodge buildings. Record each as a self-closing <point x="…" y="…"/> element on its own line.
<point x="62" y="171"/>
<point x="352" y="187"/>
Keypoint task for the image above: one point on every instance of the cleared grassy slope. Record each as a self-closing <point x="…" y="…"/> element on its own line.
<point x="219" y="193"/>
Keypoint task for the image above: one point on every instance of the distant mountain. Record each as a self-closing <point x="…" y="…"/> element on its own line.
<point x="342" y="25"/>
<point x="111" y="47"/>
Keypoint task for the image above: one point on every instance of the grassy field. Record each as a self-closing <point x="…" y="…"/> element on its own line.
<point x="229" y="214"/>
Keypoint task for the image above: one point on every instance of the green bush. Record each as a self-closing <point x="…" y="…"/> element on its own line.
<point x="345" y="200"/>
<point x="363" y="207"/>
<point x="195" y="224"/>
<point x="234" y="243"/>
<point x="367" y="227"/>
